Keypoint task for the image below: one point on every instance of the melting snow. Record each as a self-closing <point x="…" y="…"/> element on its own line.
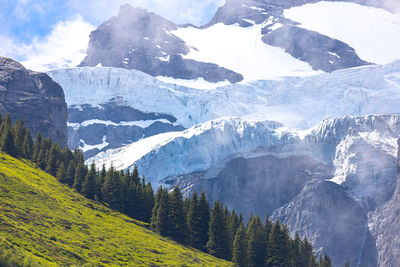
<point x="85" y="147"/>
<point x="374" y="33"/>
<point x="241" y="50"/>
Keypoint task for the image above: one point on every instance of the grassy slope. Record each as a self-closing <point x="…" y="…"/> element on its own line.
<point x="50" y="223"/>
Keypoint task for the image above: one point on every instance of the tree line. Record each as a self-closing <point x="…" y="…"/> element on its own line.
<point x="125" y="192"/>
<point x="217" y="230"/>
<point x="224" y="234"/>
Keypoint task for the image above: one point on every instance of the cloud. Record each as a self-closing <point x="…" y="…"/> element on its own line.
<point x="30" y="39"/>
<point x="194" y="11"/>
<point x="64" y="47"/>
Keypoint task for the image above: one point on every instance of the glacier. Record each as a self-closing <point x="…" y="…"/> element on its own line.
<point x="326" y="181"/>
<point x="299" y="102"/>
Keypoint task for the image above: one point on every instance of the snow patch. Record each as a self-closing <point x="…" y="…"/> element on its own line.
<point x="85" y="147"/>
<point x="241" y="50"/>
<point x="199" y="83"/>
<point x="142" y="123"/>
<point x="374" y="33"/>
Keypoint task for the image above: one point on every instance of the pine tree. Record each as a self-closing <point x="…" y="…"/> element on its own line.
<point x="177" y="224"/>
<point x="89" y="184"/>
<point x="278" y="247"/>
<point x="325" y="261"/>
<point x="7" y="142"/>
<point x="256" y="239"/>
<point x="234" y="224"/>
<point x="111" y="190"/>
<point x="295" y="248"/>
<point x="80" y="174"/>
<point x="162" y="214"/>
<point x="27" y="145"/>
<point x="36" y="148"/>
<point x="19" y="133"/>
<point x="134" y="200"/>
<point x="218" y="243"/>
<point x="52" y="159"/>
<point x="6" y="123"/>
<point x="306" y="252"/>
<point x="149" y="202"/>
<point x="67" y="156"/>
<point x="99" y="183"/>
<point x="70" y="174"/>
<point x="154" y="214"/>
<point x="203" y="222"/>
<point x="61" y="173"/>
<point x="193" y="221"/>
<point x="240" y="256"/>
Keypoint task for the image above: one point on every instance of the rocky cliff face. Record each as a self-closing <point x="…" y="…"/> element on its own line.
<point x="334" y="184"/>
<point x="333" y="220"/>
<point x="384" y="224"/>
<point x="36" y="98"/>
<point x="137" y="39"/>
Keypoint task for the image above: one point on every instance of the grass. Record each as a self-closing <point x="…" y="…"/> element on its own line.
<point x="46" y="222"/>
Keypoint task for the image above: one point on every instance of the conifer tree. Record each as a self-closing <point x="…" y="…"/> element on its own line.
<point x="203" y="222"/>
<point x="78" y="157"/>
<point x="325" y="261"/>
<point x="306" y="252"/>
<point x="240" y="256"/>
<point x="162" y="217"/>
<point x="256" y="239"/>
<point x="51" y="165"/>
<point x="154" y="214"/>
<point x="193" y="221"/>
<point x="36" y="147"/>
<point x="67" y="156"/>
<point x="278" y="247"/>
<point x="19" y="134"/>
<point x="149" y="202"/>
<point x="177" y="224"/>
<point x="218" y="243"/>
<point x="111" y="190"/>
<point x="295" y="249"/>
<point x="70" y="174"/>
<point x="61" y="173"/>
<point x="89" y="184"/>
<point x="27" y="145"/>
<point x="7" y="144"/>
<point x="99" y="183"/>
<point x="6" y="123"/>
<point x="234" y="224"/>
<point x="134" y="199"/>
<point x="80" y="174"/>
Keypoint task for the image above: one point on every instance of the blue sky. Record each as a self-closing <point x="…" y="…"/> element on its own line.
<point x="32" y="31"/>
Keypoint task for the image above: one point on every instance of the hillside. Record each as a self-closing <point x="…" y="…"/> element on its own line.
<point x="51" y="224"/>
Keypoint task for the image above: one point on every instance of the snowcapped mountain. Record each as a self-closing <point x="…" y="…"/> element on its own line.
<point x="249" y="40"/>
<point x="265" y="108"/>
<point x="123" y="106"/>
<point x="331" y="175"/>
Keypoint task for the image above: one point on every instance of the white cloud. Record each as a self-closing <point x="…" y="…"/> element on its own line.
<point x="64" y="47"/>
<point x="194" y="11"/>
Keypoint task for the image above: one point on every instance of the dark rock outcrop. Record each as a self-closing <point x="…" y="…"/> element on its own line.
<point x="36" y="98"/>
<point x="333" y="221"/>
<point x="320" y="51"/>
<point x="97" y="128"/>
<point x="257" y="185"/>
<point x="137" y="39"/>
<point x="385" y="226"/>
